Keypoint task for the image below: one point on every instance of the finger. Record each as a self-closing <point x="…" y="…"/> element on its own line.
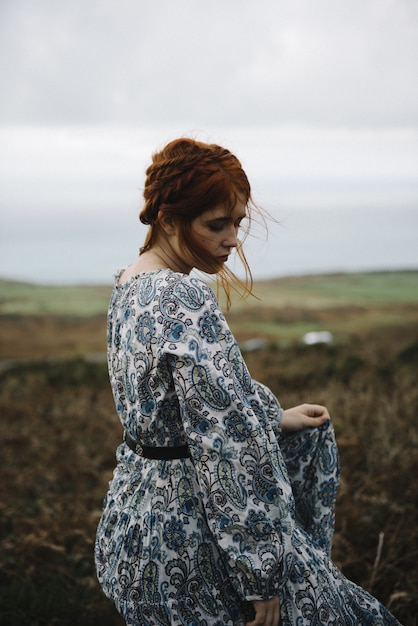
<point x="276" y="617"/>
<point x="315" y="422"/>
<point x="259" y="621"/>
<point x="272" y="617"/>
<point x="317" y="410"/>
<point x="259" y="618"/>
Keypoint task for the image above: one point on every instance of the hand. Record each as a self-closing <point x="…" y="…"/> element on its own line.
<point x="267" y="613"/>
<point x="303" y="416"/>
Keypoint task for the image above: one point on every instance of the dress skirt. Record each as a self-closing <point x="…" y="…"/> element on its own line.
<point x="157" y="559"/>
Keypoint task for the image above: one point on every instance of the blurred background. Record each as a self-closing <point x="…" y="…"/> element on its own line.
<point x="319" y="100"/>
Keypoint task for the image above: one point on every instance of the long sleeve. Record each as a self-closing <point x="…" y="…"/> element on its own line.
<point x="244" y="483"/>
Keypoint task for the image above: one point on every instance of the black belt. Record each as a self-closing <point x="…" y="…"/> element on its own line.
<point x="151" y="452"/>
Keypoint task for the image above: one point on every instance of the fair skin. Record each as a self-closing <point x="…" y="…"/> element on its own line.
<point x="216" y="231"/>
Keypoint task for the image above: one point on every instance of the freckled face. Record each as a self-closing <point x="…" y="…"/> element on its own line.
<point x="216" y="230"/>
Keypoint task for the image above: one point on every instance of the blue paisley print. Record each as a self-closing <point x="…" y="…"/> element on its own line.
<point x="250" y="515"/>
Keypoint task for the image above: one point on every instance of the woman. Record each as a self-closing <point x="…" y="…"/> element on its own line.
<point x="221" y="508"/>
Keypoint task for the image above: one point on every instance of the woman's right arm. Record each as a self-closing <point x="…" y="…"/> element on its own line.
<point x="303" y="416"/>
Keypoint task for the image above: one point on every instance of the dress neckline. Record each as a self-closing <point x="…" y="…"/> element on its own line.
<point x="137" y="276"/>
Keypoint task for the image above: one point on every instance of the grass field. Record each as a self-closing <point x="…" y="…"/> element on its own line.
<point x="301" y="291"/>
<point x="30" y="299"/>
<point x="59" y="431"/>
<point x="49" y="321"/>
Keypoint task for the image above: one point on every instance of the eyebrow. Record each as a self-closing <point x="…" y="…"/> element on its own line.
<point x="226" y="218"/>
<point x="220" y="220"/>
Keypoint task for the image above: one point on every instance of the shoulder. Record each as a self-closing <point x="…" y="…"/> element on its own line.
<point x="188" y="291"/>
<point x="188" y="310"/>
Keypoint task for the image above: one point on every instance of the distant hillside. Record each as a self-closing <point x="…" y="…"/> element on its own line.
<point x="320" y="291"/>
<point x="18" y="298"/>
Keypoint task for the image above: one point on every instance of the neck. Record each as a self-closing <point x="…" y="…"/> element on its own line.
<point x="165" y="257"/>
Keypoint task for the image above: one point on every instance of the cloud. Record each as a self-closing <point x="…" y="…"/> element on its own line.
<point x="72" y="167"/>
<point x="272" y="62"/>
<point x="305" y="93"/>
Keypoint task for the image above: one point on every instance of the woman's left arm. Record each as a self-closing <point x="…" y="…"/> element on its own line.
<point x="293" y="419"/>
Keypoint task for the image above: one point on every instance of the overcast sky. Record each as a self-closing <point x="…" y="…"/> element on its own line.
<point x="301" y="90"/>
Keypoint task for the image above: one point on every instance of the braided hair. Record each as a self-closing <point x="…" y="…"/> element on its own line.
<point x="186" y="178"/>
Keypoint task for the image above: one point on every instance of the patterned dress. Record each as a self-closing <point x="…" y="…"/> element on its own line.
<point x="192" y="541"/>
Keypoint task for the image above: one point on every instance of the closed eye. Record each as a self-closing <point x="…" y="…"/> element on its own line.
<point x="218" y="224"/>
<point x="216" y="228"/>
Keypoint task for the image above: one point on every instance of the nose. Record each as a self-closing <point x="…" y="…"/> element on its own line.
<point x="231" y="240"/>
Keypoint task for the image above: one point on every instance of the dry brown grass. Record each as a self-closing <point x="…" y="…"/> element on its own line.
<point x="59" y="435"/>
<point x="47" y="336"/>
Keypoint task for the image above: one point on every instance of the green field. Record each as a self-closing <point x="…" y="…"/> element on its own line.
<point x="281" y="310"/>
<point x="332" y="289"/>
<point x="344" y="304"/>
<point x="307" y="291"/>
<point x="31" y="299"/>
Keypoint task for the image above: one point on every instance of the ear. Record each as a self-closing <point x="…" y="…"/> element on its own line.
<point x="167" y="223"/>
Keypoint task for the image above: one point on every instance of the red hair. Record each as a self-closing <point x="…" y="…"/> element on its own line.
<point x="185" y="179"/>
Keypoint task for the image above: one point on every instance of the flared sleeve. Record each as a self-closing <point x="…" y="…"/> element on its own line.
<point x="231" y="423"/>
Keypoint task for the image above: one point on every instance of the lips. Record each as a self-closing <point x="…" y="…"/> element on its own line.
<point x="223" y="258"/>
